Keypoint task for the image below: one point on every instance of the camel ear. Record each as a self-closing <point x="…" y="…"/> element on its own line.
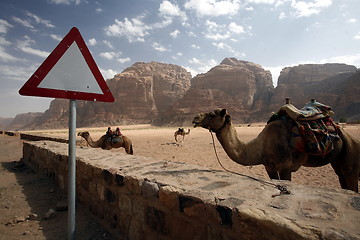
<point x="223" y="112"/>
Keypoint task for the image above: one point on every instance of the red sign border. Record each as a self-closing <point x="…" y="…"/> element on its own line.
<point x="31" y="88"/>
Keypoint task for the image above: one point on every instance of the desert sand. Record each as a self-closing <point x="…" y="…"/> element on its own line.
<point x="23" y="191"/>
<point x="198" y="148"/>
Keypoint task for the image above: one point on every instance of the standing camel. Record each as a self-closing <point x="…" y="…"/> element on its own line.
<point x="271" y="148"/>
<point x="182" y="133"/>
<point x="106" y="144"/>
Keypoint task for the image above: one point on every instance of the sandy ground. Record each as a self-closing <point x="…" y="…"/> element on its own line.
<point x="197" y="148"/>
<point x="27" y="196"/>
<point x="23" y="191"/>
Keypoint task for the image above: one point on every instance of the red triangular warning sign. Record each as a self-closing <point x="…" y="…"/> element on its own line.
<point x="69" y="72"/>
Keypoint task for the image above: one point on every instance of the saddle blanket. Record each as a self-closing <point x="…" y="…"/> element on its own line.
<point x="315" y="137"/>
<point x="114" y="139"/>
<point x="312" y="129"/>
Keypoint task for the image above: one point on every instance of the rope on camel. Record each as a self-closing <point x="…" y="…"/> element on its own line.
<point x="283" y="190"/>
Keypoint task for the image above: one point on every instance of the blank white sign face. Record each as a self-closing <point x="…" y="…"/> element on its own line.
<point x="71" y="73"/>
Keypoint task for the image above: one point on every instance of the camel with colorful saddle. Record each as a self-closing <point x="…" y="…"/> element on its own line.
<point x="292" y="138"/>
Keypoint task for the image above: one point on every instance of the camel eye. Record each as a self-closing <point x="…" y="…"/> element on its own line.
<point x="212" y="115"/>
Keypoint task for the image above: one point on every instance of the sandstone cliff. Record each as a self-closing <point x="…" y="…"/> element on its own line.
<point x="165" y="94"/>
<point x="23" y="120"/>
<point x="331" y="84"/>
<point x="244" y="88"/>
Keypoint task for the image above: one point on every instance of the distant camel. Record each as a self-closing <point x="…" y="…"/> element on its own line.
<point x="182" y="133"/>
<point x="105" y="143"/>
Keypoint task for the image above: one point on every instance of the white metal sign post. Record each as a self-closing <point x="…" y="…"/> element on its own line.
<point x="69" y="72"/>
<point x="72" y="171"/>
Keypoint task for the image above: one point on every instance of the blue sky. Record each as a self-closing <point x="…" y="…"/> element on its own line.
<point x="195" y="34"/>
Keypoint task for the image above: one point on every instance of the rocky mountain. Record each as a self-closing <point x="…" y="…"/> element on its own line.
<point x="331" y="84"/>
<point x="244" y="88"/>
<point x="23" y="120"/>
<point x="5" y="122"/>
<point x="165" y="94"/>
<point x="141" y="92"/>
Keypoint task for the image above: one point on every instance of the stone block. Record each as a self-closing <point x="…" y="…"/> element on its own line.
<point x="138" y="208"/>
<point x="149" y="189"/>
<point x="135" y="230"/>
<point x="133" y="185"/>
<point x="169" y="196"/>
<point x="156" y="219"/>
<point x="125" y="205"/>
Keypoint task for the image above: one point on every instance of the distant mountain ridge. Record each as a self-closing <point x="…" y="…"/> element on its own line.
<point x="166" y="94"/>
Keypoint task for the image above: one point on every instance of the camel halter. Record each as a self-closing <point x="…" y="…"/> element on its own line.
<point x="283" y="190"/>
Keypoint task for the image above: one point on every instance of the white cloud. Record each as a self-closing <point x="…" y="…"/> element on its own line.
<point x="306" y="9"/>
<point x="215" y="32"/>
<point x="66" y="2"/>
<point x="213" y="7"/>
<point x="56" y="37"/>
<point x="159" y="47"/>
<point x="134" y="30"/>
<point x="351" y="20"/>
<point x="191" y="34"/>
<point x="226" y="47"/>
<point x="4" y="42"/>
<point x="110" y="55"/>
<point x="175" y="33"/>
<point x="171" y="10"/>
<point x="6" y="57"/>
<point x="194" y="61"/>
<point x="179" y="54"/>
<point x="195" y="46"/>
<point x="16" y="72"/>
<point x="99" y="10"/>
<point x="4" y="26"/>
<point x="275" y="2"/>
<point x="200" y="66"/>
<point x="123" y="60"/>
<point x="108" y="73"/>
<point x="107" y="43"/>
<point x="282" y="15"/>
<point x="25" y="23"/>
<point x="234" y="28"/>
<point x="357" y="36"/>
<point x="38" y="20"/>
<point x="24" y="45"/>
<point x="221" y="32"/>
<point x="347" y="59"/>
<point x="92" y="41"/>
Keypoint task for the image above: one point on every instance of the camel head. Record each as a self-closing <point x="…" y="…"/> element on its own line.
<point x="213" y="120"/>
<point x="84" y="134"/>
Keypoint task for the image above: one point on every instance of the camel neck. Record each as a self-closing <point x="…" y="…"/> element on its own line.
<point x="246" y="154"/>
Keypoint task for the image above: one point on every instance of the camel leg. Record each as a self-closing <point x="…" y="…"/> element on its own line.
<point x="278" y="175"/>
<point x="128" y="148"/>
<point x="175" y="138"/>
<point x="348" y="180"/>
<point x="273" y="174"/>
<point x="285" y="175"/>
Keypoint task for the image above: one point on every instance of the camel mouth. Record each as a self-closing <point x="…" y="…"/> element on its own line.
<point x="196" y="124"/>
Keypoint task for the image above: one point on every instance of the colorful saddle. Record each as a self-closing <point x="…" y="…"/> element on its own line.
<point x="312" y="129"/>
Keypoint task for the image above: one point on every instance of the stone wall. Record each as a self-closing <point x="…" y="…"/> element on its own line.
<point x="143" y="198"/>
